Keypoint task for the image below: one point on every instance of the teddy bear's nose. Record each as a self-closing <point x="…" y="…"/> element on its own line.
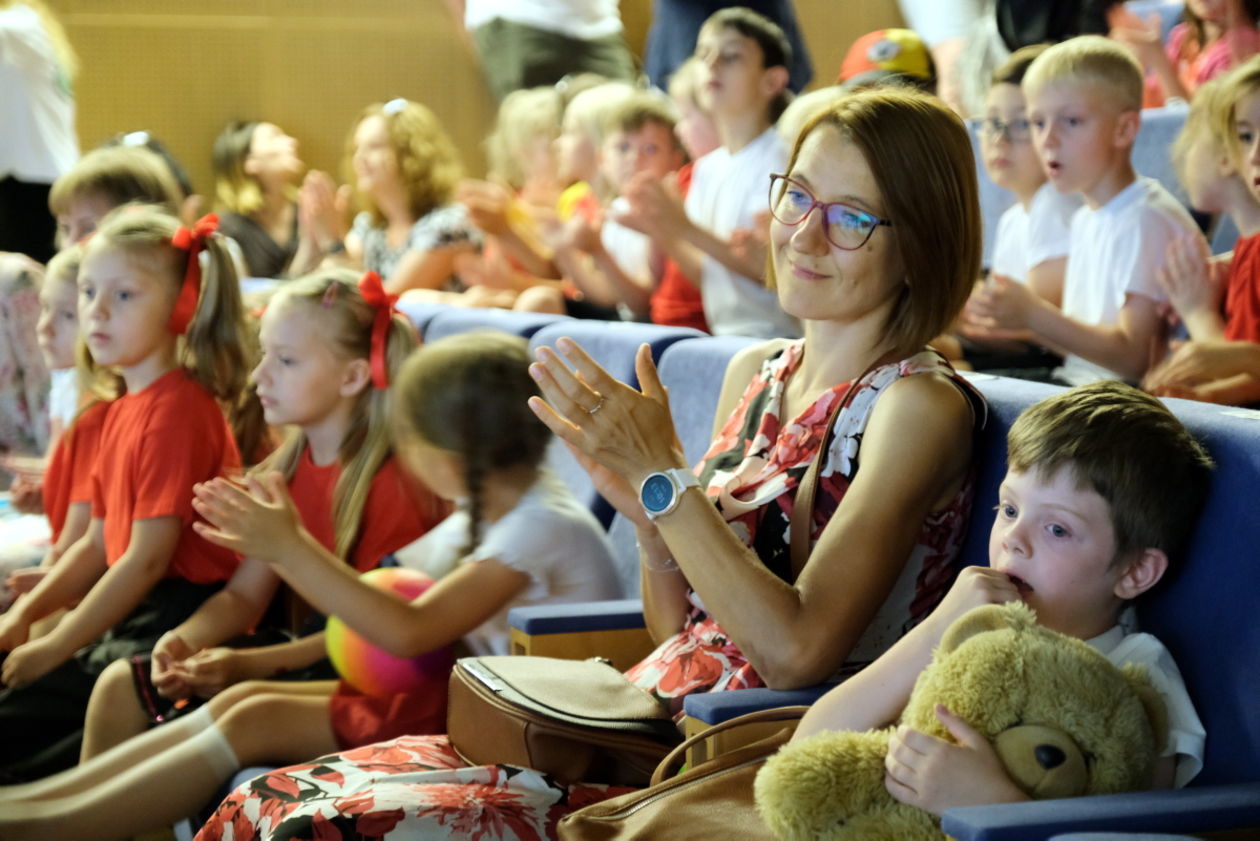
<point x="1048" y="756"/>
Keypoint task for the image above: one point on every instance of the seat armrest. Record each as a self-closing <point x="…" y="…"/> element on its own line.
<point x="613" y="629"/>
<point x="1188" y="810"/>
<point x="706" y="709"/>
<point x="712" y="708"/>
<point x="615" y="615"/>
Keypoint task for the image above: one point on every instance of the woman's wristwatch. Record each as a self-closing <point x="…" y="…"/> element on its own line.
<point x="660" y="492"/>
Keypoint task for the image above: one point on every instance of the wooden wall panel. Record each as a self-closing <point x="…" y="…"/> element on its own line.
<point x="183" y="70"/>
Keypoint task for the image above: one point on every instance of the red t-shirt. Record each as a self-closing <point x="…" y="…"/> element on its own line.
<point x="676" y="301"/>
<point x="1242" y="292"/>
<point x="398" y="511"/>
<point x="68" y="477"/>
<point x="155" y="445"/>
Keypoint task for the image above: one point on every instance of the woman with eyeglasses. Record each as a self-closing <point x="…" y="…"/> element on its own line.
<point x="875" y="241"/>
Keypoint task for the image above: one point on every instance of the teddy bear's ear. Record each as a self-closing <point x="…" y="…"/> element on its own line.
<point x="990" y="617"/>
<point x="1137" y="679"/>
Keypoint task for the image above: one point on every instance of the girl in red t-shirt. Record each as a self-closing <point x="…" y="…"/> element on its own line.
<point x="321" y="336"/>
<point x="160" y="305"/>
<point x="1217" y="297"/>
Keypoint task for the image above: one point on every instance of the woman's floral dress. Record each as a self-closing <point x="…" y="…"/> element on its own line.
<point x="417" y="787"/>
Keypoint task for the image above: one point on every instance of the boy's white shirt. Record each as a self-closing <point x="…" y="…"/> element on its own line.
<point x="1186" y="736"/>
<point x="727" y="192"/>
<point x="1117" y="250"/>
<point x="1026" y="238"/>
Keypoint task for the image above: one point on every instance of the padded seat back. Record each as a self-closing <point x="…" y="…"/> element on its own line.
<point x="613" y="345"/>
<point x="448" y="321"/>
<point x="1207" y="607"/>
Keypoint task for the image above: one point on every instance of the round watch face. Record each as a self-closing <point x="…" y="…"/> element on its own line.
<point x="657" y="492"/>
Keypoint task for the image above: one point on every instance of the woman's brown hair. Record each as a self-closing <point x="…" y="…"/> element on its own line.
<point x="920" y="155"/>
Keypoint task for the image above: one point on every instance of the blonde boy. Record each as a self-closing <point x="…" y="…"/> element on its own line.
<point x="1084" y="98"/>
<point x="622" y="271"/>
<point x="1102" y="489"/>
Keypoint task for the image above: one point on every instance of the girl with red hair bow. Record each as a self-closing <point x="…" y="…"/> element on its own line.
<point x="160" y="308"/>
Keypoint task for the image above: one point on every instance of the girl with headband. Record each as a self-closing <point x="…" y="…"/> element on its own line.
<point x="171" y="328"/>
<point x="409" y="229"/>
<point x="462" y="424"/>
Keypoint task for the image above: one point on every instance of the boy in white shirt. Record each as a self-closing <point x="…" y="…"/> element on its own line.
<point x="1103" y="487"/>
<point x="1084" y="100"/>
<point x="1032" y="237"/>
<point x="744" y="69"/>
<point x="613" y="265"/>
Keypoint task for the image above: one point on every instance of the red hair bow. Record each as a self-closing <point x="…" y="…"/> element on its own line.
<point x="374" y="293"/>
<point x="194" y="242"/>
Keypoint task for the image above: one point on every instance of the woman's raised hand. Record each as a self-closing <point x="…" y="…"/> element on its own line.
<point x="258" y="520"/>
<point x="627" y="432"/>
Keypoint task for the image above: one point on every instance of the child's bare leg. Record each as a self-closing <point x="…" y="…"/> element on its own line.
<point x="114" y="712"/>
<point x="284" y="724"/>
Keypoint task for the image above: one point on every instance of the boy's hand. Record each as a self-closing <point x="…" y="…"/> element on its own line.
<point x="655" y="205"/>
<point x="30" y="661"/>
<point x="975" y="587"/>
<point x="258" y="520"/>
<point x="935" y="774"/>
<point x="1002" y="303"/>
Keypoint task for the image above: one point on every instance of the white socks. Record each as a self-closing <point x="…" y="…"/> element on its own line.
<point x="212" y="746"/>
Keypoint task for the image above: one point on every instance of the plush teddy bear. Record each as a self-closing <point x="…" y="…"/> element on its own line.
<point x="1061" y="717"/>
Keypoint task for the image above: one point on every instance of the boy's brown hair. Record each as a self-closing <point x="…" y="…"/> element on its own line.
<point x="776" y="50"/>
<point x="638" y="110"/>
<point x="1126" y="446"/>
<point x="933" y="206"/>
<point x="119" y="175"/>
<point x="1012" y="71"/>
<point x="1092" y="60"/>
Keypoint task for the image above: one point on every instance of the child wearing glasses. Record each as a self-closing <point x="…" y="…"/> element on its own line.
<point x="1084" y="100"/>
<point x="1031" y="241"/>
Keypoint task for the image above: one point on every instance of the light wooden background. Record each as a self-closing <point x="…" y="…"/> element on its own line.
<point x="182" y="70"/>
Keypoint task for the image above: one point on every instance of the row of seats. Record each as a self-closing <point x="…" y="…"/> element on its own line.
<point x="1204" y="613"/>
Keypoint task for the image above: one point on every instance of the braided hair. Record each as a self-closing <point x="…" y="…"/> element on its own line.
<point x="468" y="394"/>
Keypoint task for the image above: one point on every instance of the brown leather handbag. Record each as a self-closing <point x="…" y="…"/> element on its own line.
<point x="713" y="800"/>
<point x="577" y="720"/>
